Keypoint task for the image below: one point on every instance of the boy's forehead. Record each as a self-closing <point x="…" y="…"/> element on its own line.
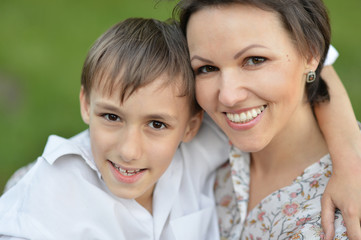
<point x="110" y="88"/>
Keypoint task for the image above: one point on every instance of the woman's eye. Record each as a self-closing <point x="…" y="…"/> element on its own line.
<point x="111" y="117"/>
<point x="206" y="69"/>
<point x="157" y="125"/>
<point x="253" y="61"/>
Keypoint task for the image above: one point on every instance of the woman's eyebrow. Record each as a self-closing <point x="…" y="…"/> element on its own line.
<point x="246" y="49"/>
<point x="237" y="55"/>
<point x="202" y="59"/>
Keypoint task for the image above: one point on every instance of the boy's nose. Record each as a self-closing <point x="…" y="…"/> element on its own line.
<point x="129" y="146"/>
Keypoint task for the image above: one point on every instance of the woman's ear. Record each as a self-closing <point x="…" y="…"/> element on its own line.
<point x="193" y="126"/>
<point x="312" y="62"/>
<point x="84" y="105"/>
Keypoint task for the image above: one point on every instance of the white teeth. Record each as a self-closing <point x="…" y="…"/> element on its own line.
<point x="254" y="113"/>
<point x="236" y="118"/>
<point x="249" y="116"/>
<point x="245" y="116"/>
<point x="125" y="172"/>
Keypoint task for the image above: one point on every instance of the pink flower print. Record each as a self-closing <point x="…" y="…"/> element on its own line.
<point x="293" y="195"/>
<point x="343" y="223"/>
<point x="314" y="184"/>
<point x="225" y="201"/>
<point x="302" y="221"/>
<point x="290" y="209"/>
<point x="260" y="216"/>
<point x="316" y="175"/>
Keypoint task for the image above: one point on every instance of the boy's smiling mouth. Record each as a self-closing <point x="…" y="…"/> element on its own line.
<point x="126" y="172"/>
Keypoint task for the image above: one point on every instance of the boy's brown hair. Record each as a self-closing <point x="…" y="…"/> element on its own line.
<point x="135" y="52"/>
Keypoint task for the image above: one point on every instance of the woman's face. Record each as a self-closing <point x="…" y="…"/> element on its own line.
<point x="250" y="78"/>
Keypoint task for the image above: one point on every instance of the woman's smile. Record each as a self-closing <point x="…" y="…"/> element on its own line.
<point x="245" y="116"/>
<point x="254" y="88"/>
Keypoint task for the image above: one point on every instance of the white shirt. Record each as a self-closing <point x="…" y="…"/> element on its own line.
<point x="331" y="57"/>
<point x="64" y="197"/>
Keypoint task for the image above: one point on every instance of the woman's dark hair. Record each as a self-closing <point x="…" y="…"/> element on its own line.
<point x="306" y="21"/>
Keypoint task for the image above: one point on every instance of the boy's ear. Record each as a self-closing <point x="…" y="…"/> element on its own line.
<point x="84" y="106"/>
<point x="193" y="126"/>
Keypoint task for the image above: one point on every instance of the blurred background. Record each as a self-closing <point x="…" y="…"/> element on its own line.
<point x="43" y="44"/>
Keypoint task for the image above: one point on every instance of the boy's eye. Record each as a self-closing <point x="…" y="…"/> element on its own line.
<point x="206" y="69"/>
<point x="156" y="125"/>
<point x="253" y="61"/>
<point x="111" y="117"/>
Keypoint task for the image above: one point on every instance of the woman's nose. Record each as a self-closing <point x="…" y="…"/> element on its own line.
<point x="231" y="89"/>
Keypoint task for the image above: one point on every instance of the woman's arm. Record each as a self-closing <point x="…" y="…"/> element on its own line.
<point x="339" y="126"/>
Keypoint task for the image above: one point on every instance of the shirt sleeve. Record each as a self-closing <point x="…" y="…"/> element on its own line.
<point x="210" y="146"/>
<point x="3" y="237"/>
<point x="332" y="56"/>
<point x="208" y="150"/>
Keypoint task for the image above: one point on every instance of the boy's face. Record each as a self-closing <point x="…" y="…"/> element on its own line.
<point x="134" y="142"/>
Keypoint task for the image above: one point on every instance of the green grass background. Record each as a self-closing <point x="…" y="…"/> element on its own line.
<point x="43" y="44"/>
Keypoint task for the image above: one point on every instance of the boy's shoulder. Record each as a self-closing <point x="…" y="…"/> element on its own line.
<point x="56" y="188"/>
<point x="57" y="147"/>
<point x="208" y="149"/>
<point x="63" y="161"/>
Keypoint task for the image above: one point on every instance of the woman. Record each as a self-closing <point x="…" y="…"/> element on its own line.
<point x="257" y="66"/>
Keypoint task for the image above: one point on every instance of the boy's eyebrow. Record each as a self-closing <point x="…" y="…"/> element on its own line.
<point x="106" y="106"/>
<point x="163" y="116"/>
<point x="160" y="116"/>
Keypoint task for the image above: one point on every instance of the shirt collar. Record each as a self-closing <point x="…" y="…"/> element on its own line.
<point x="57" y="147"/>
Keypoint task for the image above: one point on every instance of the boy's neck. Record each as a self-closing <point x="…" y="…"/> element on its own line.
<point x="146" y="200"/>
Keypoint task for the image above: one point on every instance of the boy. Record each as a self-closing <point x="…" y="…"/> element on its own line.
<point x="128" y="176"/>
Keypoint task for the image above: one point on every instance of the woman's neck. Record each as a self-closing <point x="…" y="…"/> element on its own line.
<point x="299" y="145"/>
<point x="300" y="142"/>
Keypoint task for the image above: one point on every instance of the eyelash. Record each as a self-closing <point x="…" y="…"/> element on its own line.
<point x="250" y="61"/>
<point x="163" y="125"/>
<point x="108" y="117"/>
<point x="205" y="69"/>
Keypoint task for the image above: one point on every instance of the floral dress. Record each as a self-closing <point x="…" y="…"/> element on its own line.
<point x="292" y="212"/>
